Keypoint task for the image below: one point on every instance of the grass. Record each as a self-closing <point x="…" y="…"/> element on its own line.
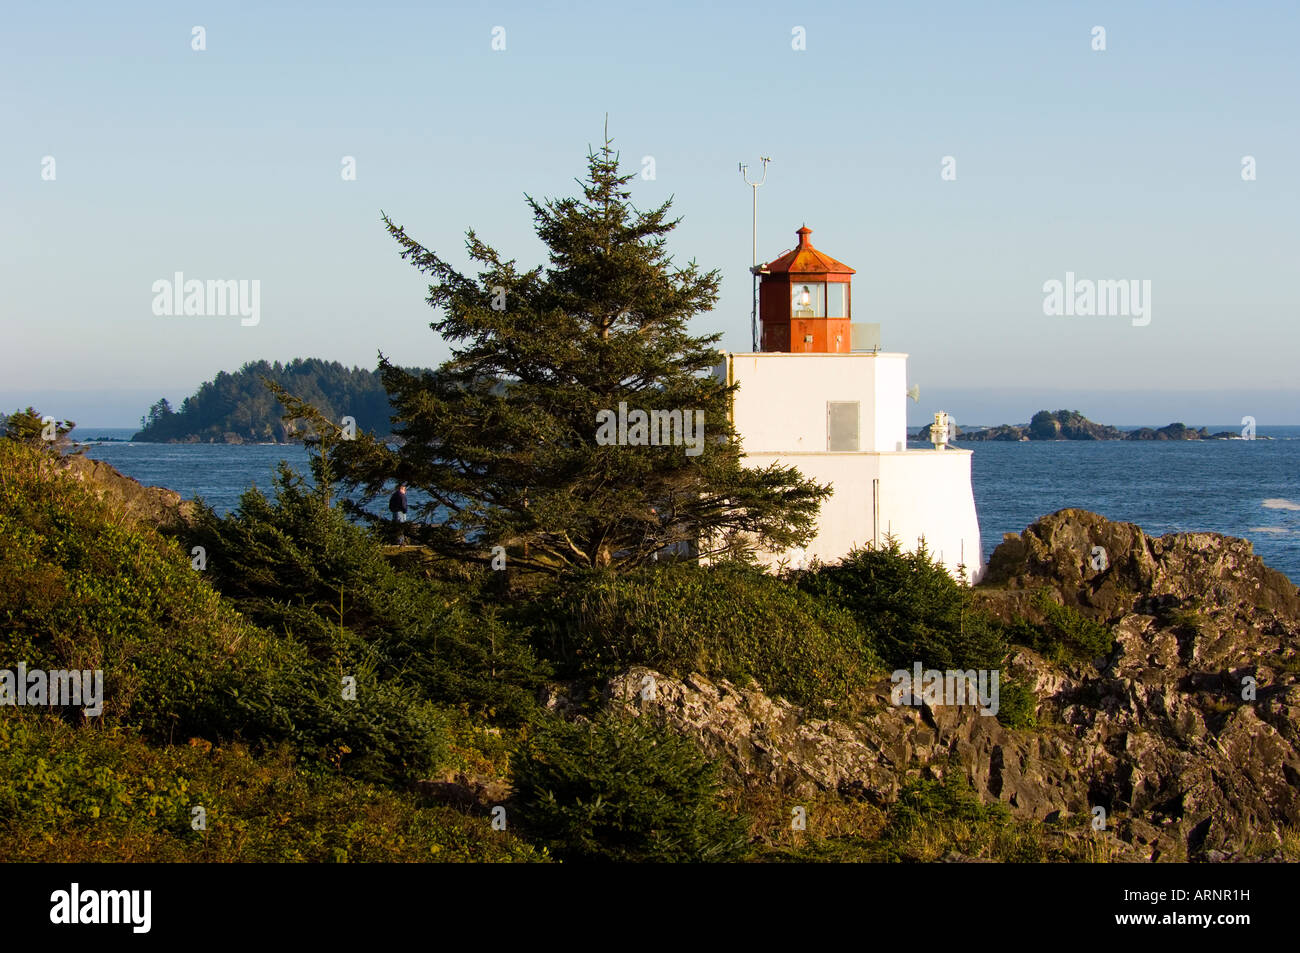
<point x="85" y="795"/>
<point x="930" y="821"/>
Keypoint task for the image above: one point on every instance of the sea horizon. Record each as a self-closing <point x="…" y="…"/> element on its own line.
<point x="971" y="406"/>
<point x="83" y="432"/>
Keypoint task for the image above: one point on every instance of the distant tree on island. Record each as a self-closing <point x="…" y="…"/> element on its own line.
<point x="31" y="427"/>
<point x="239" y="408"/>
<point x="506" y="437"/>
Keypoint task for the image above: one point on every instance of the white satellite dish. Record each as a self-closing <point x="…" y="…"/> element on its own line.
<point x="914" y="392"/>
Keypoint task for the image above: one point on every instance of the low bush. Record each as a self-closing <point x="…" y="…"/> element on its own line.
<point x="1064" y="634"/>
<point x="620" y="788"/>
<point x="1017" y="704"/>
<point x="911" y="608"/>
<point x="727" y="621"/>
<point x="934" y="819"/>
<point x="294" y="565"/>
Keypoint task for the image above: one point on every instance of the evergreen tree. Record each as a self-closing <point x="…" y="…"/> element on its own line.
<point x="30" y="427"/>
<point x="623" y="789"/>
<point x="503" y="438"/>
<point x="158" y="415"/>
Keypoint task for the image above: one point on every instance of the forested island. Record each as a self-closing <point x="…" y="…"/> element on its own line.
<point x="240" y="408"/>
<point x="1072" y="425"/>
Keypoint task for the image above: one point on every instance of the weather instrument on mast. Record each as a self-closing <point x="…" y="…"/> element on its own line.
<point x="753" y="268"/>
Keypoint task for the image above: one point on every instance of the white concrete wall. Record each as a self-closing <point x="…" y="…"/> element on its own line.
<point x="928" y="493"/>
<point x="781" y="402"/>
<point x="780" y="415"/>
<point x="891" y="402"/>
<point x="922" y="493"/>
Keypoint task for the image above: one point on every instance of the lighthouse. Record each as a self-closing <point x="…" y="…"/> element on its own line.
<point x="823" y="396"/>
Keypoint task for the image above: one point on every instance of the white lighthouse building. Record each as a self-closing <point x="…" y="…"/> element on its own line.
<point x="823" y="397"/>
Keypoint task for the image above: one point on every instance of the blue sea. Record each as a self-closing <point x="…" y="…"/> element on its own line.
<point x="1241" y="488"/>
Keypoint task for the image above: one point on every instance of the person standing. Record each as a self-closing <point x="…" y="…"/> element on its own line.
<point x="397" y="506"/>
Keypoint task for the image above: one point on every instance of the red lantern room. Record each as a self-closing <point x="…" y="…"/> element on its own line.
<point x="804" y="302"/>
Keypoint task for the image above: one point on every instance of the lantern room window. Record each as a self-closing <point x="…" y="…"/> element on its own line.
<point x="808" y="299"/>
<point x="837" y="299"/>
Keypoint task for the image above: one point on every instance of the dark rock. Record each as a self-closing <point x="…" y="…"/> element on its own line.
<point x="1068" y="425"/>
<point x="1170" y="432"/>
<point x="1005" y="433"/>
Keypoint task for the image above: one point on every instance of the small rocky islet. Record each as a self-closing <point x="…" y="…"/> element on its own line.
<point x="1072" y="425"/>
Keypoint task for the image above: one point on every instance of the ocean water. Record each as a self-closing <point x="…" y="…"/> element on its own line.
<point x="1245" y="488"/>
<point x="1241" y="488"/>
<point x="219" y="473"/>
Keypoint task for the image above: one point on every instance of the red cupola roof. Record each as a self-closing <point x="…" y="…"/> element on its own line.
<point x="804" y="259"/>
<point x="804" y="302"/>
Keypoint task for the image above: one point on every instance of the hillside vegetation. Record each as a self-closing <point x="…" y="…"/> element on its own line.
<point x="478" y="692"/>
<point x="202" y="708"/>
<point x="223" y="688"/>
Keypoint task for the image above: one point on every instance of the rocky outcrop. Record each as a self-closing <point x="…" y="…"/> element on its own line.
<point x="1197" y="713"/>
<point x="148" y="504"/>
<point x="1069" y="425"/>
<point x="1188" y="735"/>
<point x="1007" y="433"/>
<point x="1112" y="569"/>
<point x="1170" y="432"/>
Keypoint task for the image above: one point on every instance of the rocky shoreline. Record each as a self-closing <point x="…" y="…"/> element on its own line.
<point x="1187" y="735"/>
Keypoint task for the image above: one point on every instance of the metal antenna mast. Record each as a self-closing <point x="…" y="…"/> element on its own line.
<point x="753" y="268"/>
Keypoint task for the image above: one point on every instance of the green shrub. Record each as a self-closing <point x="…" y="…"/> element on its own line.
<point x="727" y="621"/>
<point x="911" y="608"/>
<point x="1064" y="635"/>
<point x="932" y="818"/>
<point x="952" y="799"/>
<point x="293" y="565"/>
<point x="1017" y="704"/>
<point x="28" y="427"/>
<point x="622" y="789"/>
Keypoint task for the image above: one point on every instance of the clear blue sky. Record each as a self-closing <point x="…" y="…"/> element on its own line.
<point x="226" y="164"/>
